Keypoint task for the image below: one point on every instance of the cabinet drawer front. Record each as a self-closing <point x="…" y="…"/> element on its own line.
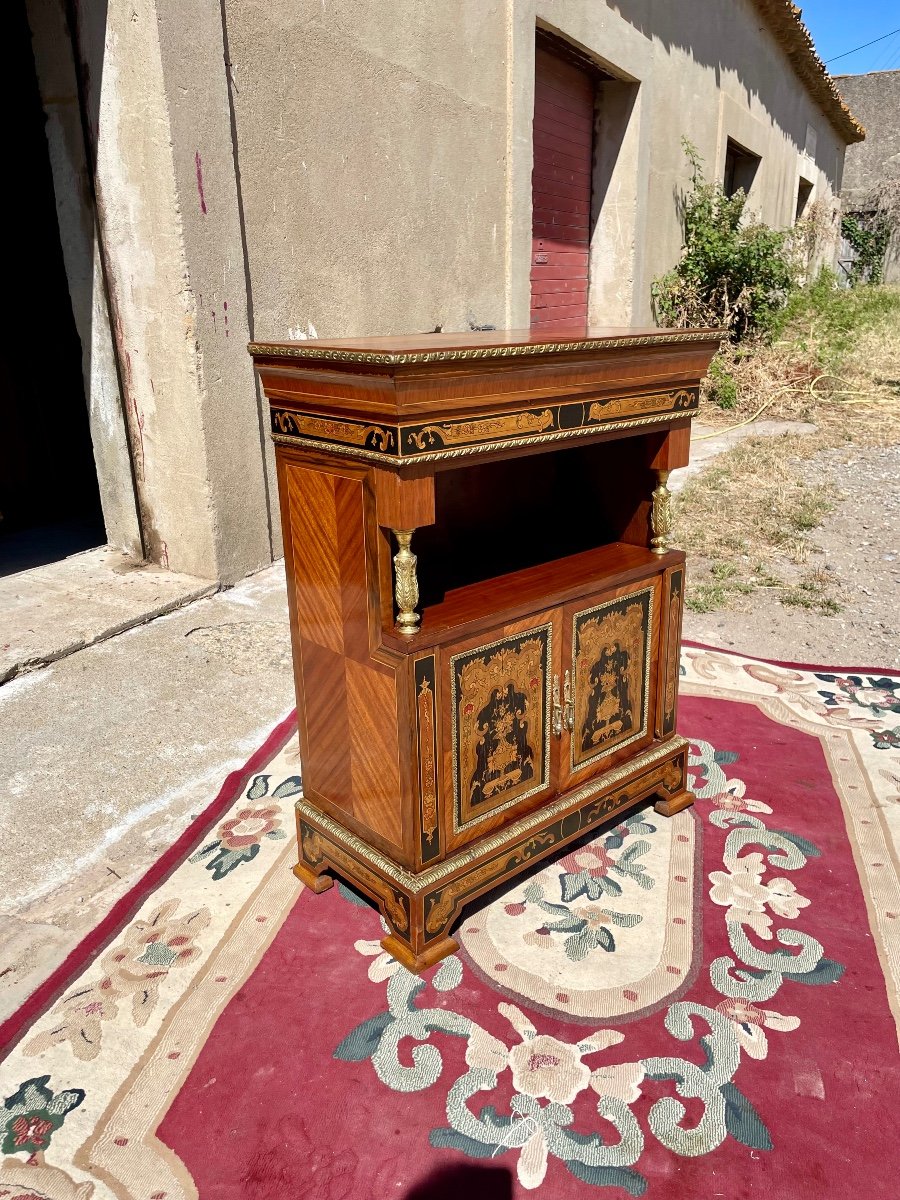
<point x="612" y="661"/>
<point x="500" y="724"/>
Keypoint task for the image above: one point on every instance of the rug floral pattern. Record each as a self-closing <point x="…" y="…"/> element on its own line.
<point x="525" y="1085"/>
<point x="86" y="1091"/>
<point x="607" y="927"/>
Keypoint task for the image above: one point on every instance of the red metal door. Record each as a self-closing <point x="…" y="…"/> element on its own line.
<point x="561" y="191"/>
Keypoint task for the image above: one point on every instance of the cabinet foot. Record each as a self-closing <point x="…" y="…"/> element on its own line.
<point x="316" y="881"/>
<point x="674" y="804"/>
<point x="417" y="963"/>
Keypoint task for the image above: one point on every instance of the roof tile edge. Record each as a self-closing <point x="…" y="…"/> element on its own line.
<point x="785" y="20"/>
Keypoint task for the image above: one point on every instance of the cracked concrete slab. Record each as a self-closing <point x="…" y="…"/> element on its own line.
<point x="107" y="754"/>
<point x="52" y="611"/>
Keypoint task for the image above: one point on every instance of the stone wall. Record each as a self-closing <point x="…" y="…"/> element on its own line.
<point x="875" y="99"/>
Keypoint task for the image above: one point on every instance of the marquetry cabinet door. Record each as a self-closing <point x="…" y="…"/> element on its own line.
<point x="609" y="678"/>
<point x="500" y="753"/>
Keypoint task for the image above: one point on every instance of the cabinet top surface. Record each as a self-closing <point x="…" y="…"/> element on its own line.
<point x="438" y="347"/>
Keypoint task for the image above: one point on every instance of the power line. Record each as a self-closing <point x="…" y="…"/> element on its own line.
<point x="865" y="47"/>
<point x="884" y="59"/>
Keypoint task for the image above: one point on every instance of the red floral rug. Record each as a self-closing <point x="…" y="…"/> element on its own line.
<point x="701" y="1007"/>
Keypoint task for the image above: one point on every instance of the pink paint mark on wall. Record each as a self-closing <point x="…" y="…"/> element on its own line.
<point x="225" y="307"/>
<point x="199" y="165"/>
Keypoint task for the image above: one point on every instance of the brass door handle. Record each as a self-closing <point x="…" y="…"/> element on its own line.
<point x="556" y="723"/>
<point x="570" y="707"/>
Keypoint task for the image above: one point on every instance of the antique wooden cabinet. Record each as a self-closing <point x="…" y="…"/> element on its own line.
<point x="485" y="611"/>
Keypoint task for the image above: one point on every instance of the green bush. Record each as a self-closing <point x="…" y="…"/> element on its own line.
<point x="721" y="385"/>
<point x="827" y="320"/>
<point x="869" y="237"/>
<point x="734" y="272"/>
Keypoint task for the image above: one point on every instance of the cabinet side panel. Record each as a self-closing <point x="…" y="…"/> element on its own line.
<point x="352" y="759"/>
<point x="312" y="510"/>
<point x="374" y="749"/>
<point x="353" y="567"/>
<point x="326" y="759"/>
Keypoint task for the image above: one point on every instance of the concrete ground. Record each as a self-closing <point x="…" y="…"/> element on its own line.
<point x="857" y="545"/>
<point x="106" y="754"/>
<point x="51" y="611"/>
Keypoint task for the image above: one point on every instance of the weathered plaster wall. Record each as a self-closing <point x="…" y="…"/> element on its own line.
<point x="157" y="101"/>
<point x="335" y="167"/>
<point x="372" y="143"/>
<point x="385" y="151"/>
<point x="235" y="429"/>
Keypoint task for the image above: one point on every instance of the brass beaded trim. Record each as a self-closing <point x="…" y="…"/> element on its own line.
<point x="415" y="883"/>
<point x="387" y="359"/>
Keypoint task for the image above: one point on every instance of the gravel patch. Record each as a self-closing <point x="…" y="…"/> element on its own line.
<point x="858" y="544"/>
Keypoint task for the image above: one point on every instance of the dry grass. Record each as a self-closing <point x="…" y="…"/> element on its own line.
<point x="748" y="517"/>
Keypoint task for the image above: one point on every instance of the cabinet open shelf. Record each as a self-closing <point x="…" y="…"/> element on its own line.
<point x="497" y="518"/>
<point x="508" y="597"/>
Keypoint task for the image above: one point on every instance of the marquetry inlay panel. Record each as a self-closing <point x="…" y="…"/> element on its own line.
<point x="611" y="675"/>
<point x="435" y="440"/>
<point x="673" y="642"/>
<point x="429" y="825"/>
<point x="500" y="725"/>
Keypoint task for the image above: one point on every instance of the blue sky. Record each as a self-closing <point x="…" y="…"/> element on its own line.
<point x="837" y="26"/>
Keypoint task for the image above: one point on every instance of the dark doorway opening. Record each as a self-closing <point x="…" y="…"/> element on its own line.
<point x="740" y="169"/>
<point x="804" y="195"/>
<point x="49" y="495"/>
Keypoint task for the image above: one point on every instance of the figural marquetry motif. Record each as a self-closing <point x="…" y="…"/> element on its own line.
<point x="611" y="676"/>
<point x="455" y="433"/>
<point x="655" y="402"/>
<point x="500" y="725"/>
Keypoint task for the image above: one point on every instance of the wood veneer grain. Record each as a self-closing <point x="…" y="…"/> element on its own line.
<point x="515" y="546"/>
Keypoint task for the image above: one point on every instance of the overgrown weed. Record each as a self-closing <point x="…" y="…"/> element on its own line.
<point x="801" y="348"/>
